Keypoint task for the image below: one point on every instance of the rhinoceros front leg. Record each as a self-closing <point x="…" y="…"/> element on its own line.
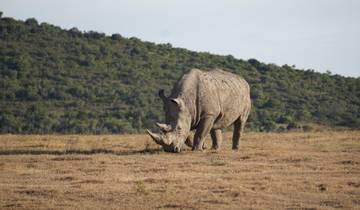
<point x="202" y="131"/>
<point x="216" y="137"/>
<point x="189" y="140"/>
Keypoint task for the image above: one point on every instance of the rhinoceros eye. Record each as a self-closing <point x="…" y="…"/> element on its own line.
<point x="178" y="129"/>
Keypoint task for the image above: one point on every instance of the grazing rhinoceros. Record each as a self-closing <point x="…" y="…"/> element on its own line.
<point x="205" y="102"/>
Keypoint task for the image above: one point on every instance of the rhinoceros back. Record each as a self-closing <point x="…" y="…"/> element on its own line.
<point x="219" y="93"/>
<point x="223" y="94"/>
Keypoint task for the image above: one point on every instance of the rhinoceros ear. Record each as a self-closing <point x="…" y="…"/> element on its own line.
<point x="179" y="102"/>
<point x="162" y="95"/>
<point x="176" y="100"/>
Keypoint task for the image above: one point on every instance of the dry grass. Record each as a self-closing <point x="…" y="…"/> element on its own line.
<point x="318" y="170"/>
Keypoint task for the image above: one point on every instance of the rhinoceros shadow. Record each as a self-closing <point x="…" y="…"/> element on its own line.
<point x="146" y="151"/>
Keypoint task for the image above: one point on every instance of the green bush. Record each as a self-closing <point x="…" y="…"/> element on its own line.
<point x="293" y="125"/>
<point x="307" y="128"/>
<point x="268" y="125"/>
<point x="284" y="119"/>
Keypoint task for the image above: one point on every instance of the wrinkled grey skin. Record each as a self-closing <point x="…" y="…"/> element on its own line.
<point x="204" y="102"/>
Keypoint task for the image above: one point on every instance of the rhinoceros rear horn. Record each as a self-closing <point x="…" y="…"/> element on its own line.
<point x="156" y="137"/>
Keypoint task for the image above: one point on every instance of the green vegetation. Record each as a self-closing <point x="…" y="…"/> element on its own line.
<point x="66" y="81"/>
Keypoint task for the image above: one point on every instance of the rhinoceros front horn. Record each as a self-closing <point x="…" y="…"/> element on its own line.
<point x="156" y="137"/>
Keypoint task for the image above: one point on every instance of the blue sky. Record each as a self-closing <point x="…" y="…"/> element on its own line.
<point x="310" y="34"/>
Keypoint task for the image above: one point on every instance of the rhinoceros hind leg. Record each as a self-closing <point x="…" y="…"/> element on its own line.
<point x="202" y="131"/>
<point x="216" y="137"/>
<point x="238" y="129"/>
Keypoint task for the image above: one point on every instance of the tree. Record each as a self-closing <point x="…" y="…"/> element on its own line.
<point x="8" y="123"/>
<point x="31" y="22"/>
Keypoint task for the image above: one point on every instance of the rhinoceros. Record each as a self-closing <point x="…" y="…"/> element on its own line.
<point x="206" y="102"/>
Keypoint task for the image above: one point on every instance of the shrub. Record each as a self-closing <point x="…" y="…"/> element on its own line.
<point x="307" y="128"/>
<point x="284" y="119"/>
<point x="268" y="125"/>
<point x="293" y="125"/>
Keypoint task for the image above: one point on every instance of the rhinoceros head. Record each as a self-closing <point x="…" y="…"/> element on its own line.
<point x="177" y="127"/>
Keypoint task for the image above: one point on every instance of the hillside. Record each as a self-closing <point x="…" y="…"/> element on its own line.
<point x="66" y="81"/>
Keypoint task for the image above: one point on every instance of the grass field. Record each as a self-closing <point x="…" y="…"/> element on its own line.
<point x="318" y="170"/>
